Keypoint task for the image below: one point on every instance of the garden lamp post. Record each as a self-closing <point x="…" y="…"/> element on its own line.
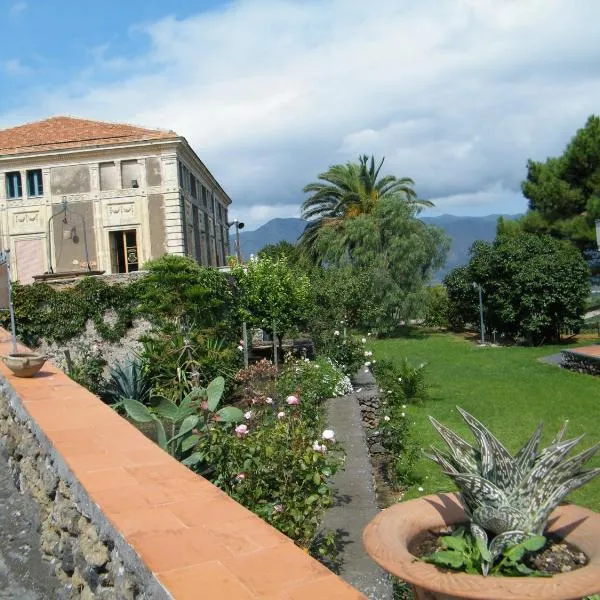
<point x="598" y="233"/>
<point x="238" y="252"/>
<point x="481" y="326"/>
<point x="238" y="225"/>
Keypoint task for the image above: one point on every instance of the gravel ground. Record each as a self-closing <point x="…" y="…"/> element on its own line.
<point x="23" y="573"/>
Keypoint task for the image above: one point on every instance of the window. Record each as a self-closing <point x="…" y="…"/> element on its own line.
<point x="205" y="197"/>
<point x="131" y="174"/>
<point x="108" y="176"/>
<point x="14" y="188"/>
<point x="35" y="187"/>
<point x="193" y="186"/>
<point x="180" y="173"/>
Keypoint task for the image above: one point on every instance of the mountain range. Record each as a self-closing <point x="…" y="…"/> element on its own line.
<point x="463" y="231"/>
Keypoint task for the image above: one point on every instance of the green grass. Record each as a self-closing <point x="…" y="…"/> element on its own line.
<point x="506" y="388"/>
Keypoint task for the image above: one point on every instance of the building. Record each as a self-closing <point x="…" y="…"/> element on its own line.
<point x="79" y="195"/>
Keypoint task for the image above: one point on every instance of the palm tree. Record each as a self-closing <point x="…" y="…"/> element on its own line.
<point x="347" y="191"/>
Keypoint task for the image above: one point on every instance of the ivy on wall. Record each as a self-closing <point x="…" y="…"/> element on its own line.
<point x="44" y="313"/>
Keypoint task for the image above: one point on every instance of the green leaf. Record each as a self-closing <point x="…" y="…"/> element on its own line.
<point x="137" y="411"/>
<point x="230" y="414"/>
<point x="447" y="558"/>
<point x="188" y="424"/>
<point x="215" y="391"/>
<point x="533" y="543"/>
<point x="166" y="409"/>
<point x="316" y="479"/>
<point x="189" y="442"/>
<point x="193" y="459"/>
<point x="311" y="499"/>
<point x="524" y="569"/>
<point x="161" y="436"/>
<point x="454" y="542"/>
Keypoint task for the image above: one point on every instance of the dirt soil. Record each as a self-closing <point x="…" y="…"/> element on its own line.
<point x="555" y="557"/>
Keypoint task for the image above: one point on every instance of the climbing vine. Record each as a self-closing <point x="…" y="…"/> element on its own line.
<point x="44" y="313"/>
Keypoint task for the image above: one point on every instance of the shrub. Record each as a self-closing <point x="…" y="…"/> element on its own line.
<point x="278" y="467"/>
<point x="178" y="287"/>
<point x="175" y="357"/>
<point x="180" y="428"/>
<point x="534" y="286"/>
<point x="437" y="307"/>
<point x="313" y="382"/>
<point x="346" y="352"/>
<point x="88" y="368"/>
<point x="403" y="450"/>
<point x="127" y="380"/>
<point x="257" y="382"/>
<point x="401" y="382"/>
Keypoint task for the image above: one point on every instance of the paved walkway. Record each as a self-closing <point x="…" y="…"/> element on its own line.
<point x="355" y="497"/>
<point x="23" y="574"/>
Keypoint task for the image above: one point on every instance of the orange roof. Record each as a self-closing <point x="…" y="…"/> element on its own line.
<point x="57" y="133"/>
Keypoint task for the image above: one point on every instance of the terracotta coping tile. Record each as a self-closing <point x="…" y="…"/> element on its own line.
<point x="275" y="569"/>
<point x="210" y="580"/>
<point x="197" y="540"/>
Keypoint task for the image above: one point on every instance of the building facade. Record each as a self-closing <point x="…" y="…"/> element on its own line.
<point x="78" y="195"/>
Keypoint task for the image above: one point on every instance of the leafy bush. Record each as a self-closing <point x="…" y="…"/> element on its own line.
<point x="176" y="357"/>
<point x="187" y="422"/>
<point x="178" y="287"/>
<point x="437" y="306"/>
<point x="401" y="382"/>
<point x="347" y="353"/>
<point x="277" y="466"/>
<point x="88" y="368"/>
<point x="257" y="382"/>
<point x="312" y="382"/>
<point x="403" y="450"/>
<point x="534" y="287"/>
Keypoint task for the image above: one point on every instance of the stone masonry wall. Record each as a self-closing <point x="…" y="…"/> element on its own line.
<point x="580" y="363"/>
<point x="85" y="561"/>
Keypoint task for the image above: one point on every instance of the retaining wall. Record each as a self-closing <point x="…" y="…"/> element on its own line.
<point x="122" y="519"/>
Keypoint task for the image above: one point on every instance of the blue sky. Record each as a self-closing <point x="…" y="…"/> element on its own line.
<point x="456" y="94"/>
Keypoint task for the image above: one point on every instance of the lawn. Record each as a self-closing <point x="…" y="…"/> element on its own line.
<point x="506" y="388"/>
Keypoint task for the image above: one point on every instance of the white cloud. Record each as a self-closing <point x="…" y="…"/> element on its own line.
<point x="455" y="93"/>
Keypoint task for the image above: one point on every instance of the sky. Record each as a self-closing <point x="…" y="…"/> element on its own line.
<point x="456" y="94"/>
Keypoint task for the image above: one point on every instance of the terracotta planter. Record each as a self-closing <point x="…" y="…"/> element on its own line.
<point x="393" y="531"/>
<point x="24" y="364"/>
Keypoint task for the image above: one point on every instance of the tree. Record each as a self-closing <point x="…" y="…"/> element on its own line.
<point x="270" y="292"/>
<point x="282" y="249"/>
<point x="564" y="191"/>
<point x="534" y="286"/>
<point x="393" y="255"/>
<point x="348" y="191"/>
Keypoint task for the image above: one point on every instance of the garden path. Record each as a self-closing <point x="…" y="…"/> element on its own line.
<point x="354" y="491"/>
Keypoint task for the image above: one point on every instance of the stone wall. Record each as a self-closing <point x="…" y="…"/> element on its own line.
<point x="576" y="361"/>
<point x="86" y="562"/>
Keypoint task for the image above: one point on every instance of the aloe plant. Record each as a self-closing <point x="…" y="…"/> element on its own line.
<point x="186" y="421"/>
<point x="510" y="497"/>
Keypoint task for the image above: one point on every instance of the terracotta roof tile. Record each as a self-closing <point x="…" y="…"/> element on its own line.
<point x="57" y="133"/>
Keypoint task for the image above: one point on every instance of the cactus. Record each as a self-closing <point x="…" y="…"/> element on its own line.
<point x="510" y="496"/>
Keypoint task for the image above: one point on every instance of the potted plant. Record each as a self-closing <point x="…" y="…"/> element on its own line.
<point x="505" y="504"/>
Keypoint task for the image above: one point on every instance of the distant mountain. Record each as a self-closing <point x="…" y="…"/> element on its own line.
<point x="463" y="231"/>
<point x="271" y="232"/>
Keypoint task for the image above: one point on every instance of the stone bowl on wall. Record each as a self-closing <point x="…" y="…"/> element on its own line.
<point x="24" y="364"/>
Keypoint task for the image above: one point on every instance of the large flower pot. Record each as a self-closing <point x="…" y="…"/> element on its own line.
<point x="24" y="364"/>
<point x="389" y="537"/>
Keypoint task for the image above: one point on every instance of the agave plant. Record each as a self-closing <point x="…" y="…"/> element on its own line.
<point x="510" y="497"/>
<point x="128" y="380"/>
